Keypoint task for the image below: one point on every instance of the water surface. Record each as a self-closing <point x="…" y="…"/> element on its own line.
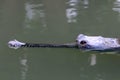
<point x="57" y="21"/>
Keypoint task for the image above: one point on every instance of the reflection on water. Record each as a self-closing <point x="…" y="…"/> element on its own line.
<point x="72" y="10"/>
<point x="24" y="66"/>
<point x="84" y="4"/>
<point x="93" y="59"/>
<point x="34" y="13"/>
<point x="116" y="6"/>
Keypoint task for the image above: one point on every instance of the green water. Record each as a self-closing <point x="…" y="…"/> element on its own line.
<point x="57" y="21"/>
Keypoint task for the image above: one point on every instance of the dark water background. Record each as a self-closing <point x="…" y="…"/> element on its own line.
<point x="57" y="21"/>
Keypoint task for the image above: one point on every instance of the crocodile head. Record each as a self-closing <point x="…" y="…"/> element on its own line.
<point x="90" y="42"/>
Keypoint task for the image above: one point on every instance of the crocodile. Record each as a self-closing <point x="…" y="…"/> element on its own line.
<point x="83" y="42"/>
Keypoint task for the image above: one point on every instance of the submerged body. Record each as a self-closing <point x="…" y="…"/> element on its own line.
<point x="84" y="42"/>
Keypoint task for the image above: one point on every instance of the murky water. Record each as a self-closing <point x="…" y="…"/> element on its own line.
<point x="57" y="21"/>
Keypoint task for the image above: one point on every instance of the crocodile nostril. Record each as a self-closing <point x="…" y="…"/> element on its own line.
<point x="83" y="42"/>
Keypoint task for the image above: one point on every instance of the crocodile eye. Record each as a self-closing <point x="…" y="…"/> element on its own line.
<point x="83" y="42"/>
